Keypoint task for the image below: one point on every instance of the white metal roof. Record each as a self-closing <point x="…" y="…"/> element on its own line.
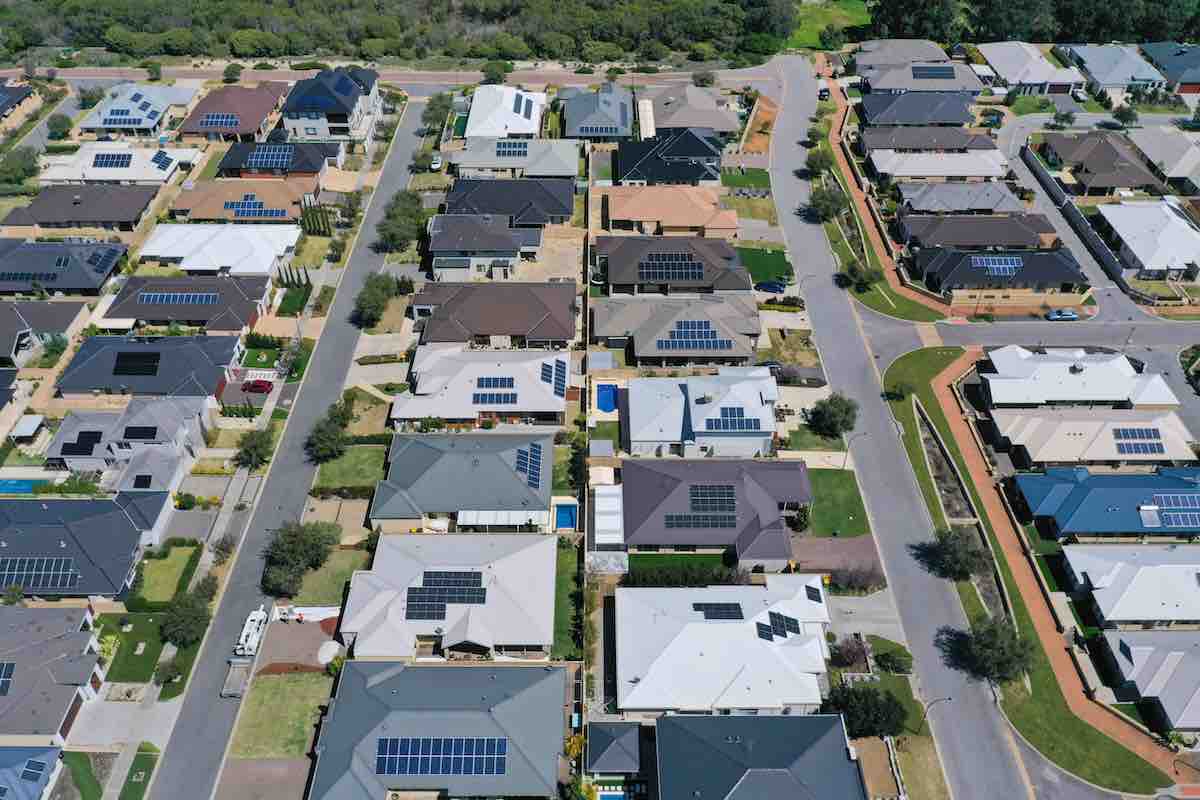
<point x="26" y="426"/>
<point x="494" y="111"/>
<point x="82" y="165"/>
<point x="609" y="510"/>
<point x="1133" y="583"/>
<point x="518" y="572"/>
<point x="1071" y="434"/>
<point x="670" y="657"/>
<point x="1158" y="232"/>
<point x="1021" y="62"/>
<point x="656" y="405"/>
<point x="242" y="249"/>
<point x="971" y="164"/>
<point x="1065" y="375"/>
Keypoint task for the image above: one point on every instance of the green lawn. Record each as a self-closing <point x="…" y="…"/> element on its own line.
<point x="160" y="576"/>
<point x="312" y="251"/>
<point x="644" y="561"/>
<point x="301" y="361"/>
<point x="811" y="18"/>
<point x="1032" y="104"/>
<point x="360" y="465"/>
<point x="326" y="586"/>
<point x="1042" y="716"/>
<point x="753" y="207"/>
<point x="567" y="594"/>
<point x="215" y="154"/>
<point x="608" y="430"/>
<point x="879" y="297"/>
<point x="804" y="438"/>
<point x="460" y="126"/>
<point x="837" y="505"/>
<point x="80" y="767"/>
<point x="294" y="300"/>
<point x="562" y="470"/>
<point x="766" y="265"/>
<point x="750" y="178"/>
<point x="185" y="658"/>
<point x="127" y="666"/>
<point x="139" y="776"/>
<point x="260" y="357"/>
<point x="279" y="715"/>
<point x="880" y="645"/>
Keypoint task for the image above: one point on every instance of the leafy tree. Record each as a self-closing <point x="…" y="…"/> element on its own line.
<point x="848" y="651"/>
<point x="254" y="449"/>
<point x="422" y="160"/>
<point x="185" y="620"/>
<point x="206" y="587"/>
<point x="939" y="20"/>
<point x="436" y="110"/>
<point x="1064" y="119"/>
<point x="294" y="549"/>
<point x="19" y="165"/>
<point x="325" y="442"/>
<point x="867" y="710"/>
<point x="819" y="161"/>
<point x="153" y="70"/>
<point x="58" y="126"/>
<point x="402" y="224"/>
<point x="992" y="650"/>
<point x="826" y="203"/>
<point x="1126" y="115"/>
<point x="494" y="72"/>
<point x="956" y="555"/>
<point x="233" y="72"/>
<point x="897" y="662"/>
<point x="282" y="580"/>
<point x="705" y="77"/>
<point x="90" y="96"/>
<point x="833" y="415"/>
<point x="832" y="37"/>
<point x="13" y="595"/>
<point x="861" y="276"/>
<point x="167" y="672"/>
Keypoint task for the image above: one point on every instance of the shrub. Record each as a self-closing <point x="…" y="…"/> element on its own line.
<point x="867" y="710"/>
<point x="705" y="77"/>
<point x="168" y="672"/>
<point x="223" y="548"/>
<point x="206" y="587"/>
<point x="294" y="549"/>
<point x="847" y="652"/>
<point x="58" y="126"/>
<point x="233" y="73"/>
<point x="185" y="620"/>
<point x="254" y="449"/>
<point x="897" y="662"/>
<point x="185" y="501"/>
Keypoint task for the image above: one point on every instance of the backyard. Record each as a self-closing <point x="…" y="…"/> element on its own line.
<point x="813" y="17"/>
<point x="568" y="592"/>
<point x="837" y="507"/>
<point x="130" y="666"/>
<point x="766" y="265"/>
<point x="360" y="465"/>
<point x="562" y="470"/>
<point x="326" y="586"/>
<point x="279" y="715"/>
<point x="607" y="430"/>
<point x="644" y="561"/>
<point x="294" y="300"/>
<point x="215" y="154"/>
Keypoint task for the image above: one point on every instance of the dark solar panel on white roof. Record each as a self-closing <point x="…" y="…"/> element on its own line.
<point x="112" y="160"/>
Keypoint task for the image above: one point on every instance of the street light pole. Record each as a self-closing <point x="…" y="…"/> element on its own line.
<point x="925" y="711"/>
<point x="849" y="442"/>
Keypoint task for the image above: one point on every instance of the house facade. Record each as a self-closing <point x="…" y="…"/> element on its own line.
<point x="339" y="104"/>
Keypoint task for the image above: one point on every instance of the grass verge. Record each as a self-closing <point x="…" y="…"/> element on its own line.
<point x="837" y="508"/>
<point x="80" y="767"/>
<point x="326" y="586"/>
<point x="766" y="265"/>
<point x="279" y="715"/>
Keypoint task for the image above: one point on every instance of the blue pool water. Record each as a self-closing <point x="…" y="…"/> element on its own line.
<point x="564" y="517"/>
<point x="610" y="794"/>
<point x="17" y="486"/>
<point x="606" y="396"/>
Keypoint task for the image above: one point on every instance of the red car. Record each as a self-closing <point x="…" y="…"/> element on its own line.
<point x="257" y="387"/>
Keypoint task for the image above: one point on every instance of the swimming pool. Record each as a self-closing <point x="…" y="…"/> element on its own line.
<point x="18" y="485"/>
<point x="610" y="794"/>
<point x="606" y="397"/>
<point x="565" y="517"/>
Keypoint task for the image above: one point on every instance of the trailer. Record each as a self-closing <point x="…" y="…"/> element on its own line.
<point x="238" y="677"/>
<point x="252" y="633"/>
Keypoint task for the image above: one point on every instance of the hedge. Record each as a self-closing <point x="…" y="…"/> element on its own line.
<point x="344" y="492"/>
<point x="370" y="438"/>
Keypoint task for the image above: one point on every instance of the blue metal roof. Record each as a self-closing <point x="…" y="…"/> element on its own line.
<point x="1082" y="503"/>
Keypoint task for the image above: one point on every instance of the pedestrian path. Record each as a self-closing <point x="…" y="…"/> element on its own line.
<point x="819" y="459"/>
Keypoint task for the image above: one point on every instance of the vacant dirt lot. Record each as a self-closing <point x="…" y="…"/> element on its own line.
<point x="561" y="256"/>
<point x="263" y="779"/>
<point x="759" y="141"/>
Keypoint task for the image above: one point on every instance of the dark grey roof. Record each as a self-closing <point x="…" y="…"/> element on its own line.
<point x="689" y="155"/>
<point x="538" y="311"/>
<point x="528" y="201"/>
<point x="15" y="776"/>
<point x="648" y="320"/>
<point x="654" y="488"/>
<point x="374" y="700"/>
<point x="1014" y="231"/>
<point x="331" y="91"/>
<point x="917" y="108"/>
<point x="447" y="473"/>
<point x="100" y="536"/>
<point x="305" y="158"/>
<point x="614" y="747"/>
<point x="35" y="316"/>
<point x="609" y="107"/>
<point x="937" y="198"/>
<point x="1179" y="62"/>
<point x="184" y="366"/>
<point x="946" y="268"/>
<point x="88" y="204"/>
<point x="46" y="647"/>
<point x="751" y="758"/>
<point x="13" y="96"/>
<point x="7" y="377"/>
<point x="1101" y="160"/>
<point x="722" y="266"/>
<point x="453" y="234"/>
<point x="57" y="266"/>
<point x="236" y="305"/>
<point x="924" y="137"/>
<point x="886" y="52"/>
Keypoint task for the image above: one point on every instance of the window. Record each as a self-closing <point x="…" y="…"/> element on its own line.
<point x="310" y="131"/>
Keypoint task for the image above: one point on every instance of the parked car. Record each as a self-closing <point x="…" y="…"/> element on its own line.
<point x="774" y="366"/>
<point x="1062" y="315"/>
<point x="436" y="164"/>
<point x="771" y="287"/>
<point x="258" y="387"/>
<point x="823" y="93"/>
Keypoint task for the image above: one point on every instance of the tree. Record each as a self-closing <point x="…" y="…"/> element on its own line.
<point x="867" y="710"/>
<point x="294" y="549"/>
<point x="847" y="652"/>
<point x="373" y="298"/>
<point x="1126" y="115"/>
<point x="168" y="672"/>
<point x="826" y="203"/>
<point x="436" y="110"/>
<point x="13" y="595"/>
<point x="819" y="161"/>
<point x="254" y="449"/>
<point x="861" y="276"/>
<point x="58" y="126"/>
<point x="89" y="96"/>
<point x="19" y="165"/>
<point x="402" y="224"/>
<point x="206" y="587"/>
<point x="955" y="555"/>
<point x="834" y="415"/>
<point x="705" y="77"/>
<point x="153" y="70"/>
<point x="282" y="580"/>
<point x="613" y="73"/>
<point x="1064" y="119"/>
<point x="832" y="37"/>
<point x="185" y="620"/>
<point x="233" y="72"/>
<point x="325" y="442"/>
<point x="422" y="160"/>
<point x="992" y="650"/>
<point x="494" y="72"/>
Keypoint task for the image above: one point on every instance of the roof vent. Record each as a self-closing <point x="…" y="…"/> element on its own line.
<point x="77" y="200"/>
<point x="1076" y="368"/>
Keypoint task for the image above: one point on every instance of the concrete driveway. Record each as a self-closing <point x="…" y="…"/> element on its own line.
<point x="874" y="614"/>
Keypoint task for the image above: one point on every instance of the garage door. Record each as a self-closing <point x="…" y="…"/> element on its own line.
<point x="65" y="730"/>
<point x="1059" y="88"/>
<point x="1189" y="88"/>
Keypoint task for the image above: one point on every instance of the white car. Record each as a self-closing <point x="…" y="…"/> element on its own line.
<point x="436" y="164"/>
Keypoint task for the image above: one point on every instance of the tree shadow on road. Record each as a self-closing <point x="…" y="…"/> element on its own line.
<point x="956" y="650"/>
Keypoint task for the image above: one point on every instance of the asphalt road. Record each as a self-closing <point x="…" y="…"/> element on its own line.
<point x="191" y="764"/>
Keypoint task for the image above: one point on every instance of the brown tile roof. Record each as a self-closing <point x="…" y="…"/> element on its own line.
<point x="251" y="104"/>
<point x="464" y="310"/>
<point x="1101" y="160"/>
<point x="207" y="199"/>
<point x="673" y="206"/>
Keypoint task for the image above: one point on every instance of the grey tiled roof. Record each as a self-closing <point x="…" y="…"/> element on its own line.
<point x="646" y="320"/>
<point x="236" y="307"/>
<point x="187" y="366"/>
<point x="917" y="108"/>
<point x="46" y="648"/>
<point x="925" y="137"/>
<point x="610" y="106"/>
<point x="937" y="198"/>
<point x="36" y="316"/>
<point x="306" y="157"/>
<point x="87" y="204"/>
<point x="722" y="267"/>
<point x="614" y="747"/>
<point x="57" y="266"/>
<point x="374" y="700"/>
<point x="528" y="201"/>
<point x="1018" y="231"/>
<point x="478" y="233"/>
<point x="947" y="268"/>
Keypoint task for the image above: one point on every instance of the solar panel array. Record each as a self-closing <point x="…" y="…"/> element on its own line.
<point x="433" y="577"/>
<point x="1137" y="433"/>
<point x="136" y="363"/>
<point x="84" y="444"/>
<point x="813" y="593"/>
<point x="517" y="98"/>
<point x="547" y="372"/>
<point x="136" y="96"/>
<point x="102" y="260"/>
<point x="179" y="298"/>
<point x="560" y="378"/>
<point x="121" y="118"/>
<point x="529" y="464"/>
<point x="39" y="573"/>
<point x="61" y="261"/>
<point x="779" y="625"/>
<point x="1140" y="448"/>
<point x="250" y="206"/>
<point x="162" y="160"/>
<point x="28" y="276"/>
<point x="764" y="631"/>
<point x="142" y="433"/>
<point x="34" y="770"/>
<point x="512" y="148"/>
<point x="1180" y="519"/>
<point x="6" y="673"/>
<point x="439" y="588"/>
<point x="998" y="266"/>
<point x="699" y="521"/>
<point x="733" y="419"/>
<point x="717" y="611"/>
<point x="718" y="498"/>
<point x="693" y="334"/>
<point x="442" y="756"/>
<point x="938" y="72"/>
<point x="271" y="156"/>
<point x="494" y="398"/>
<point x="527" y="112"/>
<point x="1177" y="501"/>
<point x="220" y="121"/>
<point x="598" y="130"/>
<point x="494" y="382"/>
<point x="670" y="267"/>
<point x="112" y="160"/>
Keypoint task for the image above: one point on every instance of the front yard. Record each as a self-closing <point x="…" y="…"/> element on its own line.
<point x="326" y="586"/>
<point x="360" y="465"/>
<point x="312" y="251"/>
<point x="790" y="347"/>
<point x="260" y="358"/>
<point x="138" y="778"/>
<point x="161" y="577"/>
<point x="805" y="438"/>
<point x="562" y="470"/>
<point x="837" y="506"/>
<point x="279" y="715"/>
<point x="608" y="430"/>
<point x="392" y="320"/>
<point x="754" y="207"/>
<point x="130" y="666"/>
<point x="748" y="178"/>
<point x="766" y="265"/>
